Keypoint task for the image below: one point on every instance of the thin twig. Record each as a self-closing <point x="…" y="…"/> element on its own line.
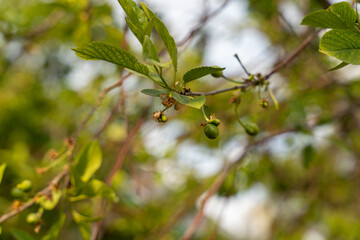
<point x="107" y="119"/>
<point x="32" y="201"/>
<point x="116" y="167"/>
<point x="204" y="19"/>
<point x="287" y="60"/>
<point x="220" y="179"/>
<point x="97" y="104"/>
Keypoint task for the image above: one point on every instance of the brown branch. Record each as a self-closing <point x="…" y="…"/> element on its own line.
<point x="220" y="179"/>
<point x="287" y="60"/>
<point x="284" y="63"/>
<point x="97" y="104"/>
<point x="107" y="119"/>
<point x="204" y="19"/>
<point x="117" y="166"/>
<point x="32" y="201"/>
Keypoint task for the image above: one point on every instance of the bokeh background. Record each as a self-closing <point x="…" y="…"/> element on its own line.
<point x="299" y="185"/>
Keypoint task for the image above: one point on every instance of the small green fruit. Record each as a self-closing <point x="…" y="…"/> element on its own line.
<point x="251" y="128"/>
<point x="17" y="193"/>
<point x="211" y="131"/>
<point x="32" y="218"/>
<point x="25" y="185"/>
<point x="164" y="118"/>
<point x="215" y="122"/>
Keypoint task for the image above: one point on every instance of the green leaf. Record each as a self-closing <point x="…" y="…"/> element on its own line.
<point x="207" y="111"/>
<point x="159" y="64"/>
<point x="341" y="65"/>
<point x="342" y="44"/>
<point x="21" y="235"/>
<point x="84" y="229"/>
<point x="149" y="50"/>
<point x="50" y="203"/>
<point x="107" y="52"/>
<point x="89" y="161"/>
<point x="54" y="231"/>
<point x="180" y="98"/>
<point x="95" y="188"/>
<point x="138" y="33"/>
<point x="154" y="92"/>
<point x="2" y="170"/>
<point x="164" y="34"/>
<point x="339" y="15"/>
<point x="79" y="218"/>
<point x="200" y="72"/>
<point x="189" y="101"/>
<point x="134" y="13"/>
<point x="197" y="102"/>
<point x="149" y="27"/>
<point x="153" y="75"/>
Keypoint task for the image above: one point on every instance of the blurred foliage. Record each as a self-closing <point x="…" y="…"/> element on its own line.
<point x="311" y="175"/>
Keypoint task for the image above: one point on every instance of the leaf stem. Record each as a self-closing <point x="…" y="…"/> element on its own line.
<point x="159" y="72"/>
<point x="204" y="114"/>
<point x="241" y="64"/>
<point x="231" y="80"/>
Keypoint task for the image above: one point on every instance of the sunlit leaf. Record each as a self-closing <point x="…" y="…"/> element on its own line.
<point x="2" y="170"/>
<point x="149" y="51"/>
<point x="164" y="34"/>
<point x="50" y="203"/>
<point x="104" y="51"/>
<point x="138" y="33"/>
<point x="84" y="228"/>
<point x="89" y="161"/>
<point x="338" y="15"/>
<point x="154" y="92"/>
<point x="134" y="13"/>
<point x="79" y="218"/>
<point x="342" y="44"/>
<point x="195" y="102"/>
<point x="95" y="188"/>
<point x="339" y="66"/>
<point x="199" y="72"/>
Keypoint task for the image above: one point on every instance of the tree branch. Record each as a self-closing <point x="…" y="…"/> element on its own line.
<point x="220" y="179"/>
<point x="285" y="62"/>
<point x="47" y="190"/>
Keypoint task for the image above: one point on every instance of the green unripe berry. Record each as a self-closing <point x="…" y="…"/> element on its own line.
<point x="32" y="218"/>
<point x="211" y="131"/>
<point x="25" y="185"/>
<point x="251" y="128"/>
<point x="164" y="118"/>
<point x="17" y="193"/>
<point x="215" y="122"/>
<point x="264" y="103"/>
